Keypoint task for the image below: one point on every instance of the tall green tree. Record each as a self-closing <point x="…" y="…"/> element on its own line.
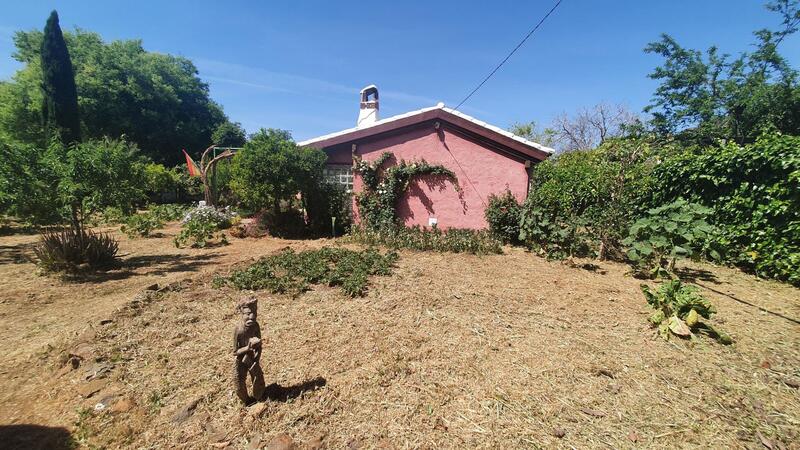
<point x="60" y="105"/>
<point x="156" y="100"/>
<point x="271" y="168"/>
<point x="229" y="134"/>
<point x="705" y="96"/>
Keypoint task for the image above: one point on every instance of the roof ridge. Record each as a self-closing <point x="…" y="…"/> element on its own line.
<point x="441" y="106"/>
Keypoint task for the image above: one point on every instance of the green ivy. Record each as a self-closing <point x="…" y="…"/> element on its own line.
<point x="754" y="195"/>
<point x="383" y="187"/>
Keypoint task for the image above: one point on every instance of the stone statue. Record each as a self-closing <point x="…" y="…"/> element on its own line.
<point x="247" y="349"/>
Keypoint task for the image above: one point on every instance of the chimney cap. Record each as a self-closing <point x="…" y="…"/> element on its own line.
<point x="370" y="87"/>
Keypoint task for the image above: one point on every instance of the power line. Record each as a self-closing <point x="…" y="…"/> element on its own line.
<point x="509" y="55"/>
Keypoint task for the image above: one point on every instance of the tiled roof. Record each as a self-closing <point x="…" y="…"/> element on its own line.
<point x="440" y="106"/>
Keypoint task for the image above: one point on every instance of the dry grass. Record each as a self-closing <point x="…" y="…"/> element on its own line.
<point x="452" y="351"/>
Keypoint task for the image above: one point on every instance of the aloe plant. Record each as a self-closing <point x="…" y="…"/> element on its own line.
<point x="679" y="310"/>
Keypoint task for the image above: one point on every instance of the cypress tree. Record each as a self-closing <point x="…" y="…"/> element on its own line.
<point x="60" y="109"/>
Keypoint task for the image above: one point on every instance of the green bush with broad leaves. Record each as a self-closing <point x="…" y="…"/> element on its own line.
<point x="168" y="212"/>
<point x="290" y="272"/>
<point x="664" y="234"/>
<point x="203" y="224"/>
<point x="581" y="203"/>
<point x="503" y="214"/>
<point x="141" y="225"/>
<point x="753" y="192"/>
<point x="679" y="310"/>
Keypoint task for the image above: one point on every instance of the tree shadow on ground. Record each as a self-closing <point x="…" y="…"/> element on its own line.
<point x="34" y="437"/>
<point x="280" y="393"/>
<point x="745" y="302"/>
<point x="17" y="254"/>
<point x="143" y="265"/>
<point x="693" y="275"/>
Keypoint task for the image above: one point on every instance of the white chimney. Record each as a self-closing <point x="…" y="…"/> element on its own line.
<point x="368" y="110"/>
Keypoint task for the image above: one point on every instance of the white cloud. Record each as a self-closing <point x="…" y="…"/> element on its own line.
<point x="264" y="79"/>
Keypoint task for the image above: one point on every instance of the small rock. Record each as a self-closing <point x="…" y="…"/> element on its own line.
<point x="98" y="370"/>
<point x="317" y="443"/>
<point x="106" y="321"/>
<point x="765" y="364"/>
<point x="385" y="444"/>
<point x="281" y="442"/>
<point x="593" y="412"/>
<point x="184" y="413"/>
<point x="152" y="287"/>
<point x="89" y="389"/>
<point x="257" y="409"/>
<point x="84" y="351"/>
<point x="122" y="405"/>
<point x="633" y="436"/>
<point x="604" y="372"/>
<point x="255" y="442"/>
<point x="353" y="444"/>
<point x="559" y="432"/>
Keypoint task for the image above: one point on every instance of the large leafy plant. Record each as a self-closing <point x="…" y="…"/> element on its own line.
<point x="680" y="310"/>
<point x="664" y="234"/>
<point x="581" y="203"/>
<point x="754" y="194"/>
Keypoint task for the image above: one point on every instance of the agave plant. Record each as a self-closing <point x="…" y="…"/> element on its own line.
<point x="679" y="310"/>
<point x="68" y="250"/>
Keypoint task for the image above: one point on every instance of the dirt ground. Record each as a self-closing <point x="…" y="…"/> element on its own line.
<point x="451" y="351"/>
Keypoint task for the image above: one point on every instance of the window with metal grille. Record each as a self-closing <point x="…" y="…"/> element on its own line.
<point x="342" y="175"/>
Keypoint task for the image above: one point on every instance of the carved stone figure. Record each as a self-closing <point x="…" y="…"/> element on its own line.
<point x="247" y="350"/>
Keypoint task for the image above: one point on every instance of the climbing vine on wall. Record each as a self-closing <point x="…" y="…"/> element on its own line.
<point x="383" y="187"/>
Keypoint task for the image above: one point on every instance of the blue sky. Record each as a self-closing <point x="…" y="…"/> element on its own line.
<point x="300" y="65"/>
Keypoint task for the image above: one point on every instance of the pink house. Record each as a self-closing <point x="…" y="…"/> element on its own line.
<point x="486" y="160"/>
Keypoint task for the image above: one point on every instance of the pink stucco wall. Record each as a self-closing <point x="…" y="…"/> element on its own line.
<point x="481" y="171"/>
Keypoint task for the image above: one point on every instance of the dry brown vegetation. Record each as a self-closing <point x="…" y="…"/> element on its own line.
<point x="452" y="351"/>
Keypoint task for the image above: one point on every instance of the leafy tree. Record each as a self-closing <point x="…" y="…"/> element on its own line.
<point x="97" y="174"/>
<point x="707" y="96"/>
<point x="60" y="106"/>
<point x="26" y="185"/>
<point x="270" y="169"/>
<point x="532" y="132"/>
<point x="229" y="134"/>
<point x="582" y="203"/>
<point x="156" y="100"/>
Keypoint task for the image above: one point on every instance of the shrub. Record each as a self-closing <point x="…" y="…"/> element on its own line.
<point x="453" y="240"/>
<point x="141" y="225"/>
<point x="285" y="224"/>
<point x="754" y="194"/>
<point x="503" y="215"/>
<point x="293" y="273"/>
<point x="70" y="251"/>
<point x="666" y="233"/>
<point x="329" y="210"/>
<point x="168" y="212"/>
<point x="220" y="218"/>
<point x="679" y="309"/>
<point x="202" y="224"/>
<point x="582" y="202"/>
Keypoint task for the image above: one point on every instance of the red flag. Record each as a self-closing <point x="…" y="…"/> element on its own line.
<point x="194" y="171"/>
